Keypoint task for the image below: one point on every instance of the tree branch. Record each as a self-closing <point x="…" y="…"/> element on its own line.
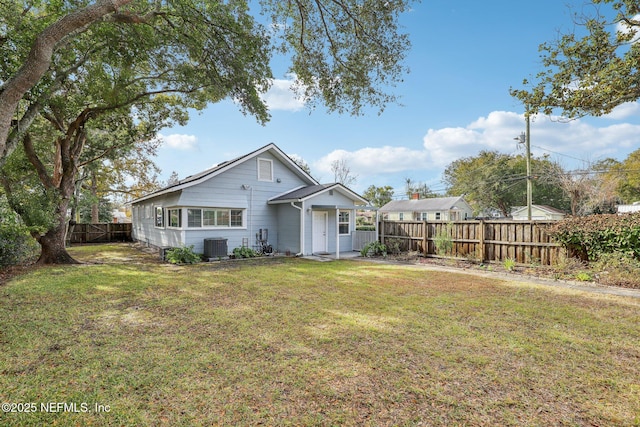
<point x="36" y="162"/>
<point x="39" y="59"/>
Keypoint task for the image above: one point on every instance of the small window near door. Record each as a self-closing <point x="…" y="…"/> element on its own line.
<point x="437" y="216"/>
<point x="343" y="222"/>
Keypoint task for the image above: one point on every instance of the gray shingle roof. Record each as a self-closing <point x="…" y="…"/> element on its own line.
<point x="193" y="179"/>
<point x="421" y="205"/>
<point x="301" y="193"/>
<point x="311" y="190"/>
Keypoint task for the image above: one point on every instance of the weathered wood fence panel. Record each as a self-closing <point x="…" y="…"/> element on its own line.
<point x="524" y="241"/>
<point x="99" y="233"/>
<point x="361" y="238"/>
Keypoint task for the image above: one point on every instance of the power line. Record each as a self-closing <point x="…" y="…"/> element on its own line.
<point x="559" y="154"/>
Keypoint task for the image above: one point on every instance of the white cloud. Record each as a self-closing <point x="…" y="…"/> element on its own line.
<point x="179" y="141"/>
<point x="570" y="143"/>
<point x="624" y="111"/>
<point x="375" y="160"/>
<point x="567" y="142"/>
<point x="281" y="96"/>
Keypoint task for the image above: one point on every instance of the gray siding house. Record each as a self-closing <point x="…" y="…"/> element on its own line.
<point x="261" y="195"/>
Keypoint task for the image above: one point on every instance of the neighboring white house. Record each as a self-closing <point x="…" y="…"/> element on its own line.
<point x="119" y="216"/>
<point x="538" y="212"/>
<point x="634" y="207"/>
<point x="432" y="209"/>
<point x="263" y="195"/>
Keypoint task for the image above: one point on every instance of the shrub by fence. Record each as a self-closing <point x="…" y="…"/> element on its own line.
<point x="523" y="241"/>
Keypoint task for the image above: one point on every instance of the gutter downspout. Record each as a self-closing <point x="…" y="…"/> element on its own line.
<point x="301" y="227"/>
<point x="250" y="214"/>
<point x="337" y="233"/>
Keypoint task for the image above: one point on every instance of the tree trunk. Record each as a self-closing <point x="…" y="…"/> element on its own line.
<point x="95" y="213"/>
<point x="52" y="246"/>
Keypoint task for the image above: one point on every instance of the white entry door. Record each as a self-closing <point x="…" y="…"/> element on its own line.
<point x="319" y="225"/>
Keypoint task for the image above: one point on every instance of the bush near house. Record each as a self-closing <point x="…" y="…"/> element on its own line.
<point x="244" y="252"/>
<point x="374" y="249"/>
<point x="591" y="237"/>
<point x="183" y="255"/>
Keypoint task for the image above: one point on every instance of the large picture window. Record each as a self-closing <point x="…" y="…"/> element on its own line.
<point x="214" y="217"/>
<point x="343" y="222"/>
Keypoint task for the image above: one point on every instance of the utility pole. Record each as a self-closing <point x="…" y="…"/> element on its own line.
<point x="525" y="138"/>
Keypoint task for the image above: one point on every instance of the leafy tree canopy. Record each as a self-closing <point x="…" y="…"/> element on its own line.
<point x="345" y="54"/>
<point x="420" y="188"/>
<point x="493" y="180"/>
<point x="627" y="175"/>
<point x="378" y="196"/>
<point x="593" y="73"/>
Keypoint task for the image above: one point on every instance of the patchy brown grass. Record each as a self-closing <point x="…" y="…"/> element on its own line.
<point x="299" y="342"/>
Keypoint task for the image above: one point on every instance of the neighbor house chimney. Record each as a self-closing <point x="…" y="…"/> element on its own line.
<point x="415" y="196"/>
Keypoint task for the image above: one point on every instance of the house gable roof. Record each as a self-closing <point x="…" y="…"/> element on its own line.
<point x="305" y="193"/>
<point x="544" y="208"/>
<point x="422" y="205"/>
<point x="224" y="166"/>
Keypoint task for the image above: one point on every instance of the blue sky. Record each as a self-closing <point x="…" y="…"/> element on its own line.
<point x="465" y="56"/>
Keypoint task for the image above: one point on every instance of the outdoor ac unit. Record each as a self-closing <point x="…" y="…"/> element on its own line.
<point x="215" y="248"/>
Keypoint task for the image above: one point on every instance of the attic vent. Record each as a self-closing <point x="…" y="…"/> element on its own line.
<point x="265" y="170"/>
<point x="331" y="192"/>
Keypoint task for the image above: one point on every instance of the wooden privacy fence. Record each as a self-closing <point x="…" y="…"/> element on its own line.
<point x="525" y="242"/>
<point x="99" y="233"/>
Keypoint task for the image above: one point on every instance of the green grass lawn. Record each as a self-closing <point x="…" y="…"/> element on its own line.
<point x="299" y="342"/>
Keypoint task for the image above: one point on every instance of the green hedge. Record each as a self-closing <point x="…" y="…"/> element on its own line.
<point x="590" y="237"/>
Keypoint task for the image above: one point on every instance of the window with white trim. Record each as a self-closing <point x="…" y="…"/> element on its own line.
<point x="343" y="222"/>
<point x="214" y="217"/>
<point x="174" y="217"/>
<point x="236" y="217"/>
<point x="159" y="219"/>
<point x="401" y="216"/>
<point x="194" y="218"/>
<point x="265" y="169"/>
<point x="437" y="216"/>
